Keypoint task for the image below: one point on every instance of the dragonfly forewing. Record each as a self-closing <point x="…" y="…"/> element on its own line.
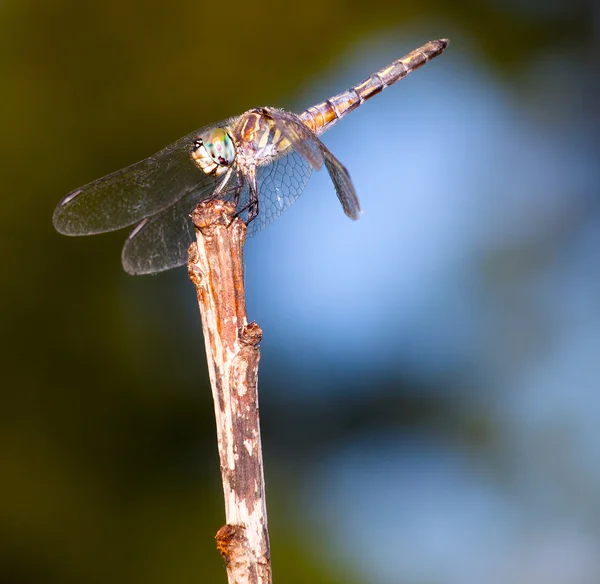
<point x="135" y="192"/>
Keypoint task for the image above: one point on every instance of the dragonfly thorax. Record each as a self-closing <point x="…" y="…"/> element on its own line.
<point x="214" y="151"/>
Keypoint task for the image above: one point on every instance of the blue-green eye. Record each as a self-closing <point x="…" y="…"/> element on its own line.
<point x="219" y="146"/>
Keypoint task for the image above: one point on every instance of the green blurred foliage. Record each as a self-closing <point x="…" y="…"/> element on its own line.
<point x="107" y="448"/>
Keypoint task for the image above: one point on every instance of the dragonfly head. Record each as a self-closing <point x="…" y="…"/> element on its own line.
<point x="214" y="151"/>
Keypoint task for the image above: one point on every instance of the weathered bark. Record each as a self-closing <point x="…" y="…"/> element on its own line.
<point x="232" y="347"/>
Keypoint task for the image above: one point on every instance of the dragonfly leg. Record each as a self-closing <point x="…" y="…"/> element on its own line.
<point x="221" y="192"/>
<point x="237" y="189"/>
<point x="252" y="206"/>
<point x="253" y="203"/>
<point x="252" y="211"/>
<point x="220" y="187"/>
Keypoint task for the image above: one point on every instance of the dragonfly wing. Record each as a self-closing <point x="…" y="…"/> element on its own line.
<point x="129" y="195"/>
<point x="299" y="135"/>
<point x="161" y="242"/>
<point x="279" y="185"/>
<point x="344" y="188"/>
<point x="309" y="145"/>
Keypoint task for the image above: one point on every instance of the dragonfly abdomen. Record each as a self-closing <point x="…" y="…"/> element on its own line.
<point x="322" y="116"/>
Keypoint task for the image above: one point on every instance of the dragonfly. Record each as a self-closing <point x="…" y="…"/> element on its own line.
<point x="261" y="160"/>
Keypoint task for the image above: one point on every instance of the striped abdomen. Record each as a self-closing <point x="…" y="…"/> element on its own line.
<point x="322" y="116"/>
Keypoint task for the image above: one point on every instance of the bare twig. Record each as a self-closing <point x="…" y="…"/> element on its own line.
<point x="216" y="269"/>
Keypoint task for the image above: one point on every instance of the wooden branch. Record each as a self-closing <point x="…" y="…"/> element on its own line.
<point x="215" y="268"/>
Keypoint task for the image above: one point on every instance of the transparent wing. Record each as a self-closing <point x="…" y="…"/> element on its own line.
<point x="161" y="242"/>
<point x="279" y="185"/>
<point x="344" y="188"/>
<point x="302" y="139"/>
<point x="309" y="145"/>
<point x="128" y="195"/>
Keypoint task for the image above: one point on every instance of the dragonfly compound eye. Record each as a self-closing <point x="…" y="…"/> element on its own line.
<point x="219" y="146"/>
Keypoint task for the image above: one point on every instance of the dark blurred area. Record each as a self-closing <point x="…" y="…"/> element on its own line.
<point x="454" y="443"/>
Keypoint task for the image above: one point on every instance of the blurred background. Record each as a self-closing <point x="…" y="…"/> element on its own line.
<point x="430" y="374"/>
